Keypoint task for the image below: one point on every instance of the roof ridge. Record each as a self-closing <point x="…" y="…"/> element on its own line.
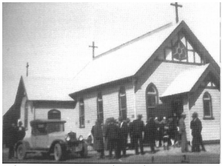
<point x="135" y="39"/>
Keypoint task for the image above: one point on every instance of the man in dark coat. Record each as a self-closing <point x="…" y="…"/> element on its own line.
<point x="138" y="127"/>
<point x="20" y="130"/>
<point x="196" y="127"/>
<point x="97" y="134"/>
<point x="12" y="140"/>
<point x="112" y="135"/>
<point x="123" y="135"/>
<point x="150" y="133"/>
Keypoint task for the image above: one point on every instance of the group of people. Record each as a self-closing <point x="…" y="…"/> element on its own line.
<point x="113" y="135"/>
<point x="17" y="132"/>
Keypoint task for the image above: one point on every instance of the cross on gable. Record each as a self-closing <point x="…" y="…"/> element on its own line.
<point x="176" y="9"/>
<point x="93" y="49"/>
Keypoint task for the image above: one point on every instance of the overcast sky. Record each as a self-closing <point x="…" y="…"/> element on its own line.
<point x="54" y="38"/>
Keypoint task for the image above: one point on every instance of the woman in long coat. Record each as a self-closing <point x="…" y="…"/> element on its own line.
<point x="97" y="133"/>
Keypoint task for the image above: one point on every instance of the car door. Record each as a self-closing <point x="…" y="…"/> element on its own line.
<point x="41" y="137"/>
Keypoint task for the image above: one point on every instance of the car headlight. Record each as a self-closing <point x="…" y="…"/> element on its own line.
<point x="68" y="138"/>
<point x="80" y="138"/>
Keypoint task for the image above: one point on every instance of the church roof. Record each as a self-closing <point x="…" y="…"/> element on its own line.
<point x="49" y="89"/>
<point x="130" y="58"/>
<point x="185" y="81"/>
<point x="123" y="61"/>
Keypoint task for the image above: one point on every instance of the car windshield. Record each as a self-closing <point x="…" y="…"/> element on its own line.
<point x="55" y="127"/>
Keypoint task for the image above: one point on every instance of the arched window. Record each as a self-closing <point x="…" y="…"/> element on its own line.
<point x="81" y="114"/>
<point x="122" y="103"/>
<point x="100" y="107"/>
<point x="151" y="99"/>
<point x="207" y="105"/>
<point x="54" y="114"/>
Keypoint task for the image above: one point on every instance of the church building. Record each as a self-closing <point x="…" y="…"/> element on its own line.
<point x="163" y="72"/>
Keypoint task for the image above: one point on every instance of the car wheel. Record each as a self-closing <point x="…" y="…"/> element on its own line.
<point x="58" y="153"/>
<point x="21" y="152"/>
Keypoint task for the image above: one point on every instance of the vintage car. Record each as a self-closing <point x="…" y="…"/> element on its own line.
<point x="48" y="137"/>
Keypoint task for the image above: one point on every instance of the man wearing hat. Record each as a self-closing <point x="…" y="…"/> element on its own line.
<point x="196" y="127"/>
<point x="138" y="127"/>
<point x="182" y="131"/>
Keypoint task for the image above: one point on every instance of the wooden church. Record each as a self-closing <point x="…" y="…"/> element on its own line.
<point x="162" y="72"/>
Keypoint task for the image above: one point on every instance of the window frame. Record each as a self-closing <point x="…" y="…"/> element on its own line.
<point x="156" y="94"/>
<point x="81" y="113"/>
<point x="100" y="113"/>
<point x="207" y="97"/>
<point x="122" y="98"/>
<point x="50" y="112"/>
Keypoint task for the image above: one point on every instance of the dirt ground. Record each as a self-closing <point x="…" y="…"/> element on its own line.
<point x="174" y="155"/>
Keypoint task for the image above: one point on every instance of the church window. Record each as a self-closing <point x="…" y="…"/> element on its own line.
<point x="100" y="107"/>
<point x="81" y="114"/>
<point x="54" y="114"/>
<point x="180" y="50"/>
<point x="207" y="105"/>
<point x="151" y="98"/>
<point x="122" y="103"/>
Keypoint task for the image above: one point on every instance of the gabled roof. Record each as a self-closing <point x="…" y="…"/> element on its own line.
<point x="129" y="59"/>
<point x="185" y="81"/>
<point x="49" y="89"/>
<point x="121" y="62"/>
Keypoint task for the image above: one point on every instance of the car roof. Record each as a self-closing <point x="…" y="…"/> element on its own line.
<point x="37" y="121"/>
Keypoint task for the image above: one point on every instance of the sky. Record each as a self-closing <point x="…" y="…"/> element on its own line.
<point x="54" y="38"/>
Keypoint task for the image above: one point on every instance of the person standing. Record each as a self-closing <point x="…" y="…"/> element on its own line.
<point x="182" y="131"/>
<point x="196" y="127"/>
<point x="20" y="130"/>
<point x="12" y="140"/>
<point x="150" y="133"/>
<point x="138" y="127"/>
<point x="112" y="135"/>
<point x="97" y="134"/>
<point x="123" y="134"/>
<point x="131" y="135"/>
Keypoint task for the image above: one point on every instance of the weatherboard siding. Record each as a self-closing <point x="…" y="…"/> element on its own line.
<point x="211" y="127"/>
<point x="110" y="107"/>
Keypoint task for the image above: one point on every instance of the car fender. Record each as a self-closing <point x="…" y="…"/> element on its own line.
<point x="61" y="142"/>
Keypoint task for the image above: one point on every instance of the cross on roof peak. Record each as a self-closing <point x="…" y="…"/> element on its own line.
<point x="93" y="49"/>
<point x="176" y="9"/>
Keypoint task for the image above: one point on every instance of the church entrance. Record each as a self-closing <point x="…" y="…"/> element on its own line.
<point x="177" y="107"/>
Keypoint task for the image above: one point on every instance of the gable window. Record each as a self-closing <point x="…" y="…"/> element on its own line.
<point x="180" y="50"/>
<point x="54" y="114"/>
<point x="207" y="106"/>
<point x="81" y="114"/>
<point x="100" y="107"/>
<point x="122" y="103"/>
<point x="151" y="99"/>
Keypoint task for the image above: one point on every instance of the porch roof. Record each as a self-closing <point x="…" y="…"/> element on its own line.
<point x="185" y="81"/>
